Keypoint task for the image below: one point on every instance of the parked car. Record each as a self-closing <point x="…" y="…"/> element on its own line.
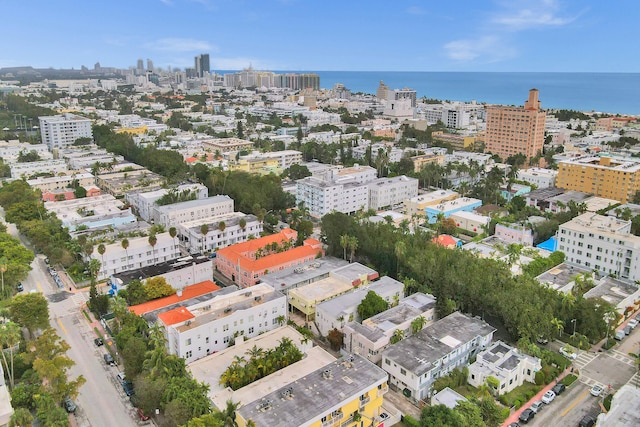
<point x="142" y="415"/>
<point x="108" y="359"/>
<point x="633" y="323"/>
<point x="536" y="406"/>
<point x="69" y="405"/>
<point x="548" y="397"/>
<point x="542" y="340"/>
<point x="121" y="377"/>
<point x="558" y="388"/>
<point x="526" y="415"/>
<point x="514" y="425"/>
<point x="587" y="421"/>
<point x="619" y="335"/>
<point x="637" y="317"/>
<point x="20" y="287"/>
<point x="127" y="386"/>
<point x="568" y="353"/>
<point x="98" y="342"/>
<point x="627" y="330"/>
<point x="596" y="390"/>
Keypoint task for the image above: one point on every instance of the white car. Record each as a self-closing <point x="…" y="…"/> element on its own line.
<point x="633" y="323"/>
<point x="568" y="353"/>
<point x="536" y="406"/>
<point x="548" y="397"/>
<point x="596" y="390"/>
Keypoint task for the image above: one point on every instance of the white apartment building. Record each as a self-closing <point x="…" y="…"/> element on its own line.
<point x="285" y="158"/>
<point x="138" y="254"/>
<point x="91" y="212"/>
<point x="389" y="192"/>
<point x="373" y="335"/>
<point x="338" y="311"/>
<point x="542" y="178"/>
<point x="62" y="130"/>
<point x="61" y="182"/>
<point x="601" y="243"/>
<point x="208" y="326"/>
<point x="416" y="362"/>
<point x="190" y="232"/>
<point x="144" y="202"/>
<point x="10" y="150"/>
<point x="24" y="170"/>
<point x="506" y="364"/>
<point x="177" y="213"/>
<point x="225" y="145"/>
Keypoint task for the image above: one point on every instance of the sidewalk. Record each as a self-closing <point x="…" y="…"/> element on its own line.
<point x="513" y="418"/>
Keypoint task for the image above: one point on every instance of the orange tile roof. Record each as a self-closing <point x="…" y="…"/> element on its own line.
<point x="237" y="253"/>
<point x="177" y="315"/>
<point x="190" y="159"/>
<point x="444" y="240"/>
<point x="188" y="292"/>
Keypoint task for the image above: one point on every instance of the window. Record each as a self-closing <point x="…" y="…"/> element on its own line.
<point x="251" y="329"/>
<point x="403" y="371"/>
<point x="225" y="328"/>
<point x="188" y="354"/>
<point x="188" y="341"/>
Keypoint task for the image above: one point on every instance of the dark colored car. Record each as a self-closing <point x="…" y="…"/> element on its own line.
<point x="514" y="425"/>
<point x="69" y="405"/>
<point x="108" y="359"/>
<point x="587" y="421"/>
<point x="627" y="330"/>
<point x="127" y="386"/>
<point x="526" y="415"/>
<point x="98" y="342"/>
<point x="558" y="388"/>
<point x="142" y="416"/>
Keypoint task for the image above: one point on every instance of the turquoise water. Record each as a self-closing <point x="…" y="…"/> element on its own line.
<point x="602" y="92"/>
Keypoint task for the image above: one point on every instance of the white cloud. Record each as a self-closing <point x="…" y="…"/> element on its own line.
<point x="483" y="49"/>
<point x="180" y="45"/>
<point x="416" y="10"/>
<point x="167" y="2"/>
<point x="522" y="16"/>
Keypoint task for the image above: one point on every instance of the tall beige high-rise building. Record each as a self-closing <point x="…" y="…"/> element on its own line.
<point x="513" y="130"/>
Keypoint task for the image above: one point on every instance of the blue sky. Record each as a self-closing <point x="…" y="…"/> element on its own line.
<point x="349" y="35"/>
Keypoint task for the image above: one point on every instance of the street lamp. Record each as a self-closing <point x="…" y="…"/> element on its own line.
<point x="574" y="326"/>
<point x="3" y="268"/>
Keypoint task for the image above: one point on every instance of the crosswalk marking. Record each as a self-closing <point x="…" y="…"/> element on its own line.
<point x="621" y="357"/>
<point x="79" y="298"/>
<point x="583" y="359"/>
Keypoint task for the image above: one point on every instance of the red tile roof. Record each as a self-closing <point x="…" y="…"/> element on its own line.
<point x="445" y="240"/>
<point x="177" y="315"/>
<point x="188" y="292"/>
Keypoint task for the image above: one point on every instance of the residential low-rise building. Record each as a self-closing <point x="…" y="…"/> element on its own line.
<point x="416" y="205"/>
<point x="302" y="274"/>
<point x="340" y="281"/>
<point x="91" y="212"/>
<point x="139" y="253"/>
<point x="336" y="312"/>
<point x="224" y="145"/>
<point x="517" y="234"/>
<point x="447" y="397"/>
<point x="119" y="183"/>
<point x="624" y="410"/>
<point x="11" y="150"/>
<point x="221" y="231"/>
<point x="540" y="177"/>
<point x="471" y="221"/>
<point x="179" y="273"/>
<point x="389" y="192"/>
<point x="144" y="202"/>
<point x="61" y="182"/>
<point x="245" y="263"/>
<point x="206" y="326"/>
<point x="27" y="169"/>
<point x="446" y="209"/>
<point x="177" y="213"/>
<point x="416" y="362"/>
<point x="419" y="162"/>
<point x="506" y="364"/>
<point x="601" y="243"/>
<point x="371" y="337"/>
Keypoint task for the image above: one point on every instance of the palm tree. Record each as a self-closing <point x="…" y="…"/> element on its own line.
<point x="125" y="246"/>
<point x="242" y="224"/>
<point x="173" y="232"/>
<point x="22" y="417"/>
<point x="222" y="226"/>
<point x="417" y="324"/>
<point x="353" y="245"/>
<point x="400" y="250"/>
<point x="229" y="414"/>
<point x="101" y="250"/>
<point x="344" y="242"/>
<point x="152" y="241"/>
<point x="204" y="229"/>
<point x="9" y="337"/>
<point x="558" y="324"/>
<point x="397" y="336"/>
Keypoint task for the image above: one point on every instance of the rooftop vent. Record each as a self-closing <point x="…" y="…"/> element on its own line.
<point x="227" y="310"/>
<point x="298" y="270"/>
<point x="326" y="374"/>
<point x="258" y="298"/>
<point x="247" y="294"/>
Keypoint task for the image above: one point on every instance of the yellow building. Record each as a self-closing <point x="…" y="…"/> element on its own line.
<point x="134" y="131"/>
<point x="416" y="205"/>
<point x="613" y="178"/>
<point x="261" y="165"/>
<point x="420" y="161"/>
<point x="347" y="392"/>
<point x="457" y="142"/>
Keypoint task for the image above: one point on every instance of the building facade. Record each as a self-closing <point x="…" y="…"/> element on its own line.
<point x="221" y="231"/>
<point x="516" y="130"/>
<point x="62" y="130"/>
<point x="177" y="213"/>
<point x="389" y="192"/>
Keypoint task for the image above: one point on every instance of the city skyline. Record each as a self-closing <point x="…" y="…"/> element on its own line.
<point x="544" y="35"/>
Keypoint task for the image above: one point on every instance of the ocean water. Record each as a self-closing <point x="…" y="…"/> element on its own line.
<point x="602" y="92"/>
<point x="617" y="93"/>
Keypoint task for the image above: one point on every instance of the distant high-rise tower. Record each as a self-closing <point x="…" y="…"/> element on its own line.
<point x="140" y="65"/>
<point x="516" y="130"/>
<point x="150" y="65"/>
<point x="202" y="64"/>
<point x="383" y="91"/>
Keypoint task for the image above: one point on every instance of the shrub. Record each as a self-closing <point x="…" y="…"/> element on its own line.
<point x="607" y="402"/>
<point x="409" y="421"/>
<point x="540" y="379"/>
<point x="569" y="379"/>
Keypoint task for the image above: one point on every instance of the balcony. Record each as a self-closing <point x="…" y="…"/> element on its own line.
<point x="364" y="401"/>
<point x="383" y="390"/>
